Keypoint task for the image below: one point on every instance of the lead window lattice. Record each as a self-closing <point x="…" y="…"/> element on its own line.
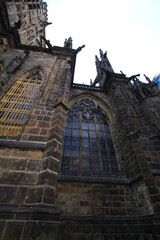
<point x="16" y="104"/>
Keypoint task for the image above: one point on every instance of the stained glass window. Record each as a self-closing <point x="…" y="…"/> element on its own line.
<point x="88" y="146"/>
<point x="16" y="104"/>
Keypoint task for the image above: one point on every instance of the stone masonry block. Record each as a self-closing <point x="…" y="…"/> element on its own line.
<point x="7" y="194"/>
<point x="18" y="178"/>
<point x="51" y="164"/>
<point x="35" y="165"/>
<point x="20" y="195"/>
<point x="37" y="154"/>
<point x="34" y="195"/>
<point x="47" y="177"/>
<point x="17" y="164"/>
<point x="13" y="231"/>
<point x="49" y="195"/>
<point x="3" y="163"/>
<point x="43" y="124"/>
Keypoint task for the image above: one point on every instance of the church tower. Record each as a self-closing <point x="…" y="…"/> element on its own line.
<point x="76" y="161"/>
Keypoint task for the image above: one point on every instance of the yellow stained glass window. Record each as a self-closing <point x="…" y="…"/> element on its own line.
<point x="16" y="104"/>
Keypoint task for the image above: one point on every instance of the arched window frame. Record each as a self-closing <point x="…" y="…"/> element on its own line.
<point x="88" y="146"/>
<point x="16" y="104"/>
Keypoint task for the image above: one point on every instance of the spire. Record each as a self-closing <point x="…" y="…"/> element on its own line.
<point x="105" y="64"/>
<point x="102" y="66"/>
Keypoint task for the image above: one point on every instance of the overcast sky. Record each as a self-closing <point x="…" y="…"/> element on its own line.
<point x="129" y="30"/>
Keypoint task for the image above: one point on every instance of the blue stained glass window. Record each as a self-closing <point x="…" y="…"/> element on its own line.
<point x="75" y="133"/>
<point x="76" y="124"/>
<point x="100" y="127"/>
<point x="67" y="141"/>
<point x="69" y="124"/>
<point x="92" y="134"/>
<point x="84" y="134"/>
<point x="68" y="132"/>
<point x="18" y="105"/>
<point x="84" y="125"/>
<point x="88" y="143"/>
<point x="85" y="143"/>
<point x="75" y="143"/>
<point x="92" y="126"/>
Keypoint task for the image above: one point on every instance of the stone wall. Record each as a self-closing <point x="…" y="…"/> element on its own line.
<point x="95" y="199"/>
<point x="37" y="203"/>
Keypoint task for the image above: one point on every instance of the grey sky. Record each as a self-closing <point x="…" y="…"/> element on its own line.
<point x="129" y="30"/>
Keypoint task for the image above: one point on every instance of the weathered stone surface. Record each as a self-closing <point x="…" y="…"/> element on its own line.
<point x="20" y="195"/>
<point x="49" y="195"/>
<point x="13" y="230"/>
<point x="17" y="164"/>
<point x="47" y="177"/>
<point x="18" y="178"/>
<point x="35" y="205"/>
<point x="34" y="195"/>
<point x="2" y="225"/>
<point x="7" y="194"/>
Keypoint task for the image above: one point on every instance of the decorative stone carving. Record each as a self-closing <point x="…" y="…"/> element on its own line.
<point x="14" y="64"/>
<point x="79" y="49"/>
<point x="102" y="67"/>
<point x="47" y="42"/>
<point x="3" y="45"/>
<point x="68" y="42"/>
<point x="143" y="90"/>
<point x="11" y="67"/>
<point x="105" y="62"/>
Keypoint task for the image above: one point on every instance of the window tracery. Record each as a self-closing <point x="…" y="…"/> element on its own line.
<point x="16" y="104"/>
<point x="88" y="146"/>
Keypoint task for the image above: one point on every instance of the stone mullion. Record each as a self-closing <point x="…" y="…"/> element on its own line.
<point x="89" y="138"/>
<point x="71" y="150"/>
<point x="107" y="150"/>
<point x="99" y="149"/>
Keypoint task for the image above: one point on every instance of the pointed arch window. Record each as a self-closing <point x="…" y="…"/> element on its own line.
<point x="16" y="104"/>
<point x="88" y="146"/>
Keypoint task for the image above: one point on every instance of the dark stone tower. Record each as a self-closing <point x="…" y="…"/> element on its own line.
<point x="76" y="161"/>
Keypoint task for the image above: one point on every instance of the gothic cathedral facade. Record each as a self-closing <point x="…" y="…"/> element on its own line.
<point x="76" y="161"/>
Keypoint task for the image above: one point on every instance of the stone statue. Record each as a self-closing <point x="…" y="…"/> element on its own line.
<point x="14" y="64"/>
<point x="105" y="62"/>
<point x="68" y="43"/>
